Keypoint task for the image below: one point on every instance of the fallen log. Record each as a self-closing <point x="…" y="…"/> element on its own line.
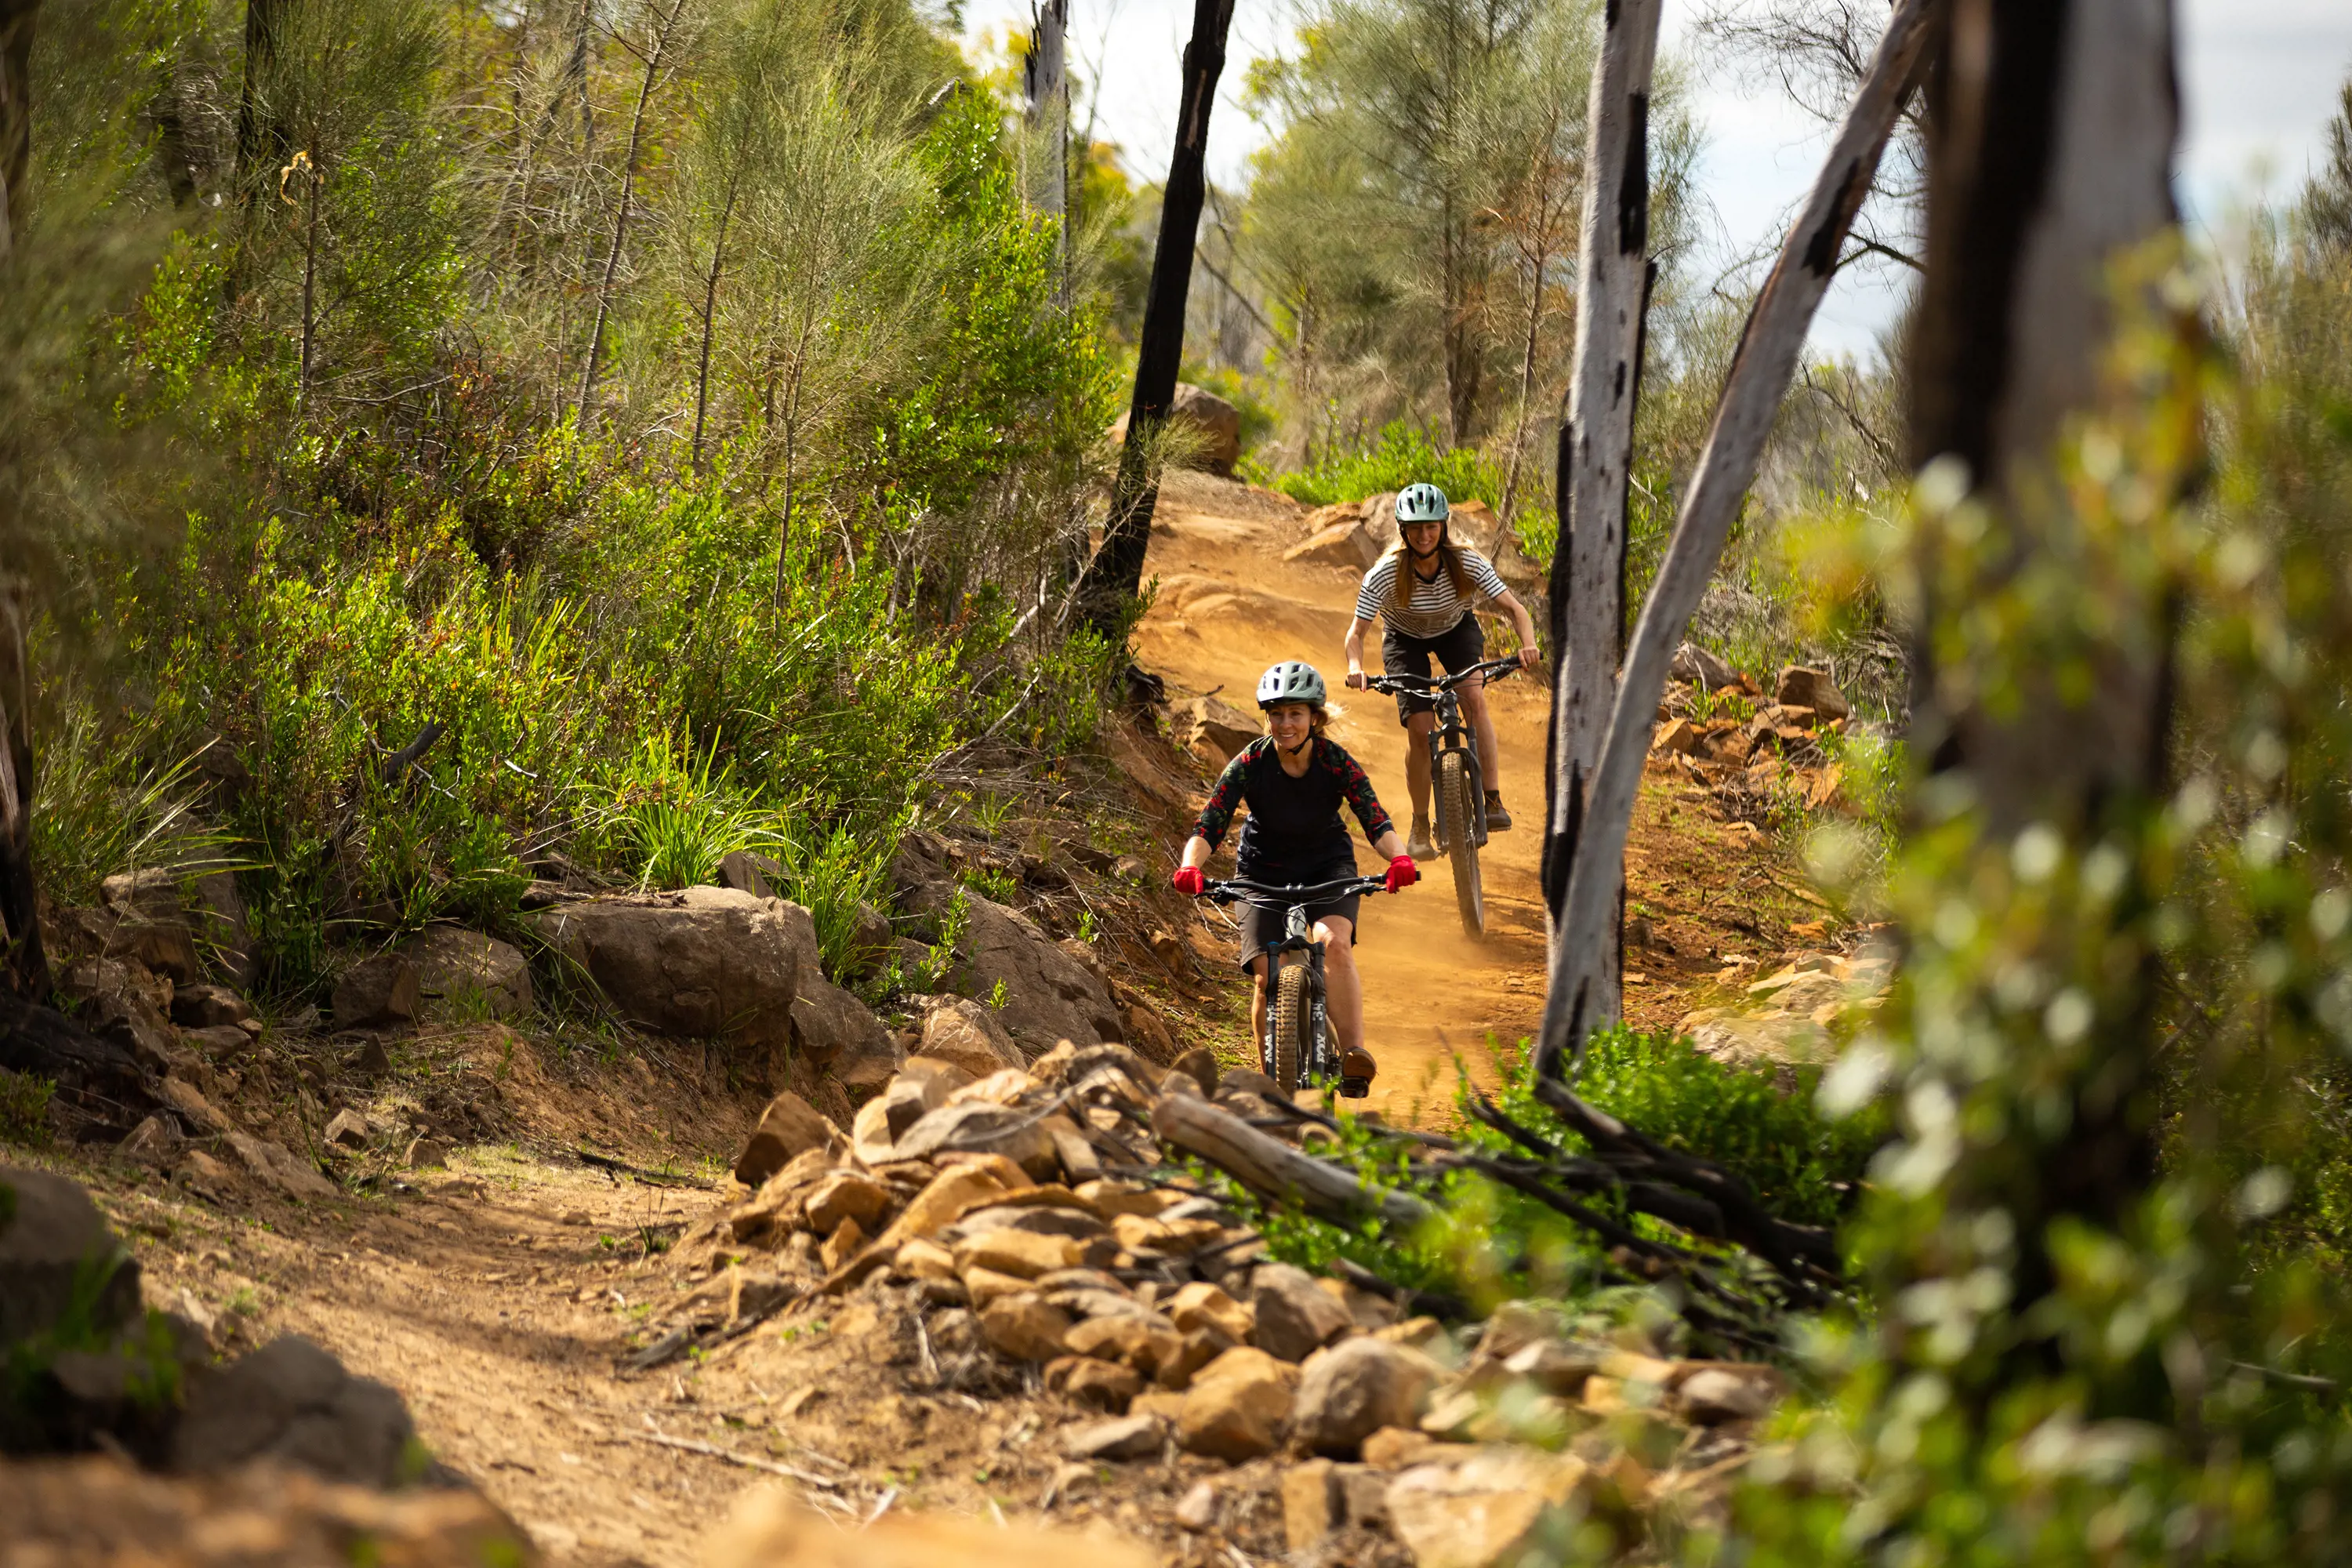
<point x="1272" y="1169"/>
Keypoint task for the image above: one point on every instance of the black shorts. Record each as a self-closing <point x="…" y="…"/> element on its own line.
<point x="1261" y="927"/>
<point x="1404" y="653"/>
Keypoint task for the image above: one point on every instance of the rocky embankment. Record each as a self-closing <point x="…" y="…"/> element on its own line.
<point x="1034" y="1242"/>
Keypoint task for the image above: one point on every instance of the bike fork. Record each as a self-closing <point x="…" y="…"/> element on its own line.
<point x="1318" y="1071"/>
<point x="1448" y="837"/>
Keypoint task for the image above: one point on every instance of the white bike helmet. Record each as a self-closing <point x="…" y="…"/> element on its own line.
<point x="1421" y="503"/>
<point x="1290" y="681"/>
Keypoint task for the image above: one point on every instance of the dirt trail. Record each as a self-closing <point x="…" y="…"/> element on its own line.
<point x="499" y="1294"/>
<point x="1228" y="607"/>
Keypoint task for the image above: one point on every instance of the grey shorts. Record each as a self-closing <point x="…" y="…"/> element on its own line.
<point x="1261" y="927"/>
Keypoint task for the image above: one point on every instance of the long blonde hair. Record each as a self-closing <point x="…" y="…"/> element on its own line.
<point x="1448" y="556"/>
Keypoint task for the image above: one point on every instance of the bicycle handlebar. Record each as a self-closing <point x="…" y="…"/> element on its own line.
<point x="1492" y="669"/>
<point x="1240" y="890"/>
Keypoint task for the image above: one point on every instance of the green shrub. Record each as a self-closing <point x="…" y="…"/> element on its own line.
<point x="680" y="817"/>
<point x="1403" y="454"/>
<point x="1491" y="1242"/>
<point x="24" y="1113"/>
<point x="841" y="872"/>
<point x="100" y="807"/>
<point x="1801" y="1163"/>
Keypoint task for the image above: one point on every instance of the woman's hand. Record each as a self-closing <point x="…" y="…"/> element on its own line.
<point x="1528" y="656"/>
<point x="1402" y="874"/>
<point x="1355" y="680"/>
<point x="1189" y="881"/>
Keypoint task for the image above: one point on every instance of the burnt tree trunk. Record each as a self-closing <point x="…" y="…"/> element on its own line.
<point x="1596" y="454"/>
<point x="1116" y="574"/>
<point x="15" y="115"/>
<point x="23" y="968"/>
<point x="260" y="137"/>
<point x="1046" y="80"/>
<point x="2050" y="150"/>
<point x="2052" y="129"/>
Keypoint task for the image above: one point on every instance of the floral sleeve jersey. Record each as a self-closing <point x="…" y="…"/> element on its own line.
<point x="1233" y="785"/>
<point x="1252" y="777"/>
<point x="1356" y="789"/>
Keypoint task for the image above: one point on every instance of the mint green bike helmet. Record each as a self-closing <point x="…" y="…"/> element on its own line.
<point x="1290" y="681"/>
<point x="1421" y="503"/>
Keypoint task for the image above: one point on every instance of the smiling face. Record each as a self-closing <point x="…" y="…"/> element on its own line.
<point x="1422" y="538"/>
<point x="1290" y="724"/>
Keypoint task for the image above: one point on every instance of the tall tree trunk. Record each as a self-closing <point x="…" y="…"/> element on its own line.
<point x="260" y="137"/>
<point x="175" y="158"/>
<point x="585" y="415"/>
<point x="1045" y="78"/>
<point x="1584" y="947"/>
<point x="1116" y="574"/>
<point x="24" y="967"/>
<point x="1539" y="258"/>
<point x="15" y="115"/>
<point x="2052" y="129"/>
<point x="1596" y="461"/>
<point x="1453" y="328"/>
<point x="2051" y="138"/>
<point x="307" y="170"/>
<point x="709" y="312"/>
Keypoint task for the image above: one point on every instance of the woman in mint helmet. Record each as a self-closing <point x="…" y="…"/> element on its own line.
<point x="1294" y="778"/>
<point x="1422" y="591"/>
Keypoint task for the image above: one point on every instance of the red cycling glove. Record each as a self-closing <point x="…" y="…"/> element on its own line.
<point x="1189" y="882"/>
<point x="1403" y="873"/>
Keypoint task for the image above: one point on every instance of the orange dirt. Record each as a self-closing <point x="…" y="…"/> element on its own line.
<point x="1228" y="606"/>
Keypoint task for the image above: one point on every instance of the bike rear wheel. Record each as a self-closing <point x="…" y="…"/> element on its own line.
<point x="1293" y="1025"/>
<point x="1460" y="804"/>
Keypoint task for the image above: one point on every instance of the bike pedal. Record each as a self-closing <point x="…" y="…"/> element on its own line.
<point x="1355" y="1088"/>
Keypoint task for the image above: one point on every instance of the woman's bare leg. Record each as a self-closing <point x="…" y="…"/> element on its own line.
<point x="1482" y="725"/>
<point x="1257" y="1004"/>
<point x="1416" y="761"/>
<point x="1343" y="984"/>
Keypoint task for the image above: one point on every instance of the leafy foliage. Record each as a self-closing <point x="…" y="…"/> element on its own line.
<point x="846" y="414"/>
<point x="1405" y="454"/>
<point x="2109" y="1314"/>
<point x="1494" y="1242"/>
<point x="24" y="1114"/>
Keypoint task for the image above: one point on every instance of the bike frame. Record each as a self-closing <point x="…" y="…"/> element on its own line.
<point x="1299" y="937"/>
<point x="1322" y="1066"/>
<point x="1451" y="734"/>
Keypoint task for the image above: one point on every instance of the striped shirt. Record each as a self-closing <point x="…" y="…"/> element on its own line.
<point x="1435" y="608"/>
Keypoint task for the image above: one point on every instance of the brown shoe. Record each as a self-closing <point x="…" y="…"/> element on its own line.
<point x="1357" y="1063"/>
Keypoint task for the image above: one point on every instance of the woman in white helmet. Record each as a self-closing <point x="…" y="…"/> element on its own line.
<point x="1423" y="591"/>
<point x="1295" y="779"/>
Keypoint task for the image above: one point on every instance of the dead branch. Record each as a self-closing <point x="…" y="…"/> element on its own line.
<point x="1584" y="953"/>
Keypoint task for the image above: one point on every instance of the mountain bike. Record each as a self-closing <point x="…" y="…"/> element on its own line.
<point x="1297" y="1048"/>
<point x="1457" y="786"/>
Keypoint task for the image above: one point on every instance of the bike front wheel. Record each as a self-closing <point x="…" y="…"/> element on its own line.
<point x="1293" y="1025"/>
<point x="1458" y="799"/>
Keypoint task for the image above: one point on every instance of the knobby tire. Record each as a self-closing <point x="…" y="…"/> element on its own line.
<point x="1293" y="1023"/>
<point x="1460" y="808"/>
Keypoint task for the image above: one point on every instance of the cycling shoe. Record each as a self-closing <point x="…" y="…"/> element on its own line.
<point x="1497" y="819"/>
